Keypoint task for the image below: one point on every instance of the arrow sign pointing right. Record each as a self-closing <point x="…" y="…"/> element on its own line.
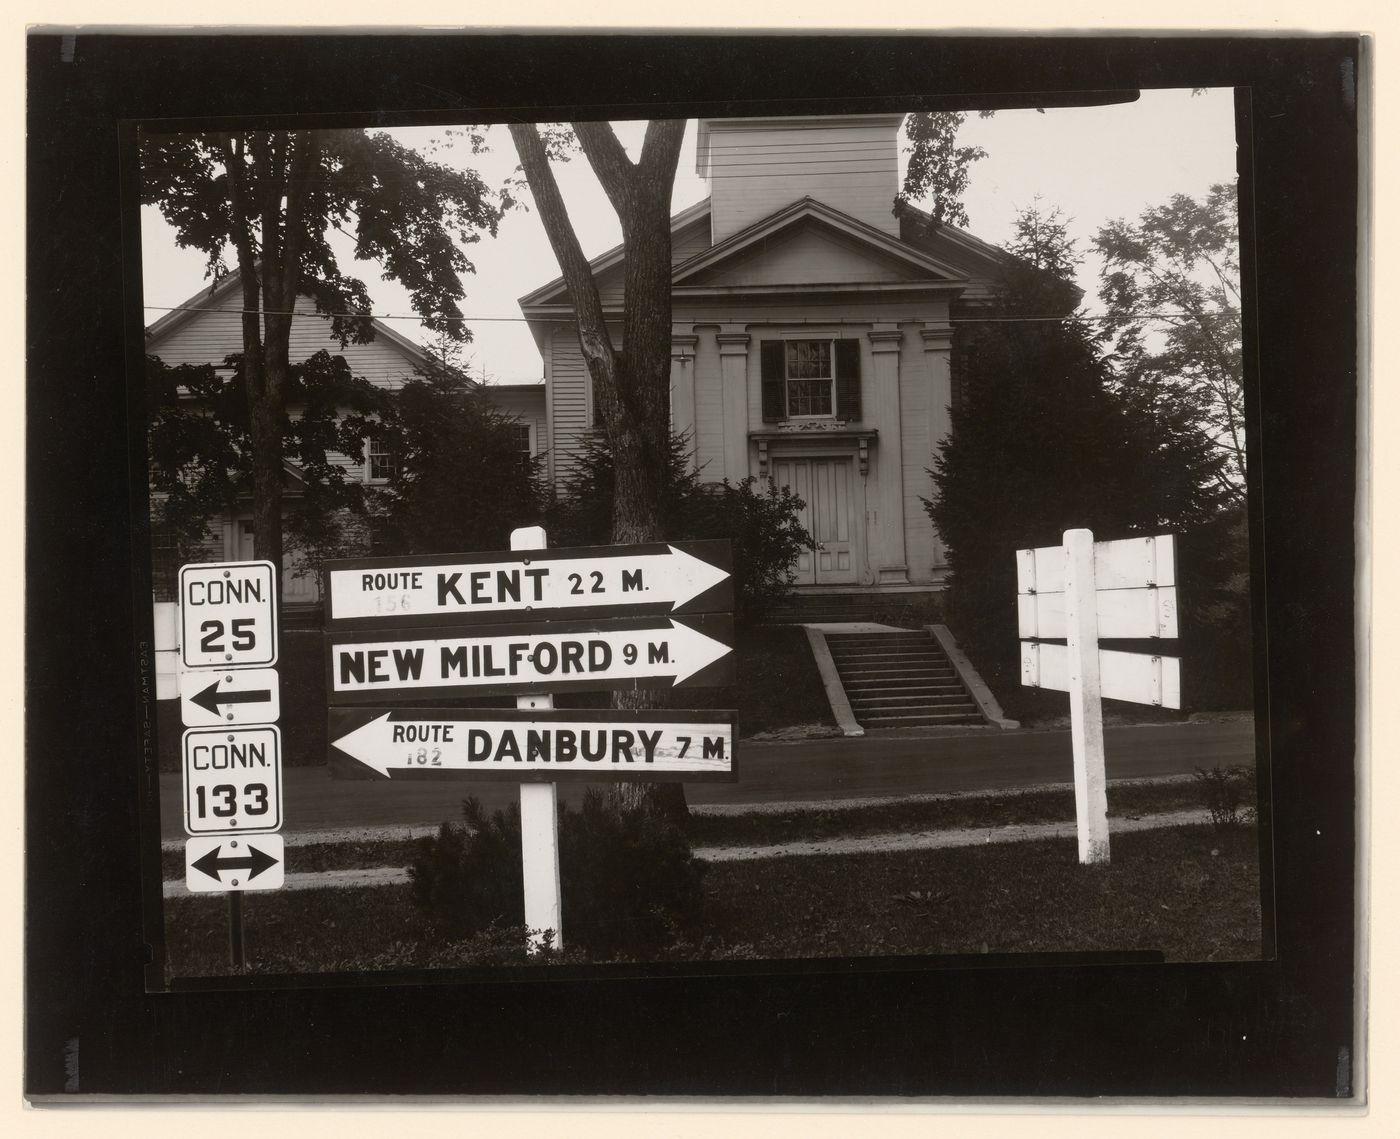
<point x="637" y="653"/>
<point x="657" y="578"/>
<point x="220" y="864"/>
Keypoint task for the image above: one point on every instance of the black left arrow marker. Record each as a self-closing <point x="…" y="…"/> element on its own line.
<point x="209" y="699"/>
<point x="255" y="862"/>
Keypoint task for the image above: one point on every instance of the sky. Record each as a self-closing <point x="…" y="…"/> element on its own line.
<point x="1094" y="163"/>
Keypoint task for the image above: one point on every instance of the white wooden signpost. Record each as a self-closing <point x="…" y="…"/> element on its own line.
<point x="1083" y="591"/>
<point x="227" y="625"/>
<point x="528" y="623"/>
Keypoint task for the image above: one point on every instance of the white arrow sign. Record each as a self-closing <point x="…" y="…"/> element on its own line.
<point x="527" y="581"/>
<point x="1135" y="677"/>
<point x="544" y="658"/>
<point x="216" y="865"/>
<point x="495" y="745"/>
<point x="211" y="697"/>
<point x="1145" y="612"/>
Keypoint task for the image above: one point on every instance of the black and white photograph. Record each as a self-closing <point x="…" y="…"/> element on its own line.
<point x="863" y="568"/>
<point x="702" y="540"/>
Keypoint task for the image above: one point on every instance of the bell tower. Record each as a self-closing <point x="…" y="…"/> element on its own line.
<point x="755" y="167"/>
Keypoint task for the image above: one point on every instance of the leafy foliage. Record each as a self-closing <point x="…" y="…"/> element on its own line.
<point x="629" y="883"/>
<point x="938" y="165"/>
<point x="459" y="480"/>
<point x="1171" y="285"/>
<point x="200" y="450"/>
<point x="1228" y="794"/>
<point x="409" y="214"/>
<point x="1042" y="442"/>
<point x="273" y="197"/>
<point x="761" y="520"/>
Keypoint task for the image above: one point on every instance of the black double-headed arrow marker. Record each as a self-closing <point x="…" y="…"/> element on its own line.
<point x="209" y="698"/>
<point x="255" y="862"/>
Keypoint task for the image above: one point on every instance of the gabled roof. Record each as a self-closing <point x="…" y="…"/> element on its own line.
<point x="942" y="260"/>
<point x="555" y="290"/>
<point x="811" y="210"/>
<point x="224" y="291"/>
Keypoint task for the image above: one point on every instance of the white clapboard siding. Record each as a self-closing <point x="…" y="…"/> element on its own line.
<point x="755" y="169"/>
<point x="1138" y="678"/>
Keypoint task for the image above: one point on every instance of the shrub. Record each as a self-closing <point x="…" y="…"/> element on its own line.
<point x="468" y="878"/>
<point x="630" y="885"/>
<point x="761" y="521"/>
<point x="1228" y="794"/>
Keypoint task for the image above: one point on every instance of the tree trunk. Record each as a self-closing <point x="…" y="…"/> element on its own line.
<point x="633" y="387"/>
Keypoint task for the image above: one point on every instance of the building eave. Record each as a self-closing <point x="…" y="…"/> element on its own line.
<point x="612" y="257"/>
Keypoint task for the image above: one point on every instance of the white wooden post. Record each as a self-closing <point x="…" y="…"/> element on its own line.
<point x="1085" y="697"/>
<point x="539" y="813"/>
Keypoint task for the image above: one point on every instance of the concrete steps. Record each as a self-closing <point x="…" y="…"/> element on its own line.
<point x="900" y="680"/>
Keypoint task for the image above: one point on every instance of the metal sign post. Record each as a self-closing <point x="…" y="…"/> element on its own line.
<point x="227" y="624"/>
<point x="539" y="815"/>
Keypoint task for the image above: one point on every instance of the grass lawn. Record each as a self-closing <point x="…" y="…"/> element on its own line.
<point x="1190" y="892"/>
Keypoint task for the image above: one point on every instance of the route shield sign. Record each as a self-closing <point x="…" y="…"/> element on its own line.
<point x="233" y="780"/>
<point x="218" y="865"/>
<point x="228" y="615"/>
<point x="367" y="667"/>
<point x="531" y="744"/>
<point x="654" y="579"/>
<point x="212" y="697"/>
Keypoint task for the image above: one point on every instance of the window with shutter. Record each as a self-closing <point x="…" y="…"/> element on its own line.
<point x="810" y="379"/>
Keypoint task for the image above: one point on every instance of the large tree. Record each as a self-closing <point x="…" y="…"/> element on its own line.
<point x="1171" y="284"/>
<point x="632" y="386"/>
<point x="273" y="198"/>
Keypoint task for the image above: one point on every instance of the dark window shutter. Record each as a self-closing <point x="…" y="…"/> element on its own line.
<point x="848" y="379"/>
<point x="774" y="373"/>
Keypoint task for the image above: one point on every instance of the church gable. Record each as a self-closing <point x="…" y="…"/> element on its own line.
<point x="807" y="253"/>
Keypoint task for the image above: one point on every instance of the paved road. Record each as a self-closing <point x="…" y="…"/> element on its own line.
<point x="786" y="772"/>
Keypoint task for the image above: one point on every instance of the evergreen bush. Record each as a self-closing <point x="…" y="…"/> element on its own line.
<point x="630" y="886"/>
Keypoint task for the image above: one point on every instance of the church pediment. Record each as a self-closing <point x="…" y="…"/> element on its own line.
<point x="807" y="252"/>
<point x="807" y="244"/>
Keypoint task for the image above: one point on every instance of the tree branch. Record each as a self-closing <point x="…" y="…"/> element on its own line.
<point x="593" y="335"/>
<point x="609" y="161"/>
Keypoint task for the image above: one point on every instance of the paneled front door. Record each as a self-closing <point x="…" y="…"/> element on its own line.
<point x="825" y="486"/>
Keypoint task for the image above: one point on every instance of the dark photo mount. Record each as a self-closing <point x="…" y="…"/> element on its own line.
<point x="1283" y="1027"/>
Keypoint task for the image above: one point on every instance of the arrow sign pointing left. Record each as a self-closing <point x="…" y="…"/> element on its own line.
<point x="215" y="697"/>
<point x="222" y="864"/>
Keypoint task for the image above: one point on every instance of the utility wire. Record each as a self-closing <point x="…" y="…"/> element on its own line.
<point x="705" y="319"/>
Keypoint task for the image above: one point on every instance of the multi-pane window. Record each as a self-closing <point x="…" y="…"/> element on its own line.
<point x="809" y="377"/>
<point x="805" y="378"/>
<point x="521" y="434"/>
<point x="380" y="461"/>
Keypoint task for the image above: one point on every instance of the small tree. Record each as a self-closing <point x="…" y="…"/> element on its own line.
<point x="459" y="480"/>
<point x="1171" y="284"/>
